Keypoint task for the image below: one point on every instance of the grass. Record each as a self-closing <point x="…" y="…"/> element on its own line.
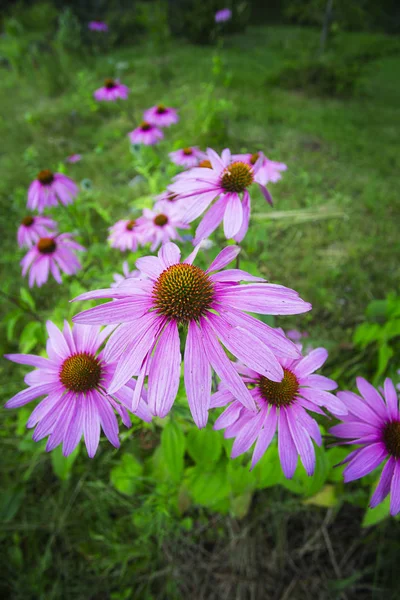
<point x="332" y="235"/>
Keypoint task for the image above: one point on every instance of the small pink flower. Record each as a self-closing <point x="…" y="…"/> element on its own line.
<point x="167" y="196"/>
<point x="32" y="228"/>
<point x="73" y="380"/>
<point x="74" y="158"/>
<point x="125" y="235"/>
<point x="223" y="15"/>
<point x="211" y="306"/>
<point x="281" y="406"/>
<point x="269" y="170"/>
<point x="97" y="26"/>
<point x="111" y="91"/>
<point x="49" y="255"/>
<point x="120" y="279"/>
<point x="160" y="225"/>
<point x="187" y="157"/>
<point x="48" y="189"/>
<point x="225" y="181"/>
<point x="161" y="116"/>
<point x="146" y="134"/>
<point x="373" y="423"/>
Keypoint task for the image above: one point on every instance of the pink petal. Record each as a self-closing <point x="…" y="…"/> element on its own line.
<point x="234" y="275"/>
<point x="247" y="436"/>
<point x="197" y="374"/>
<point x="239" y="236"/>
<point x="91" y="425"/>
<point x="385" y="480"/>
<point x="169" y="254"/>
<point x="265" y="437"/>
<point x="118" y="311"/>
<point x="395" y="490"/>
<point x="233" y="216"/>
<point x="226" y="256"/>
<point x="57" y="340"/>
<point x="366" y="461"/>
<point x="211" y="220"/>
<point x="28" y="395"/>
<point x="372" y="397"/>
<point x="31" y="360"/>
<point x="286" y="447"/>
<point x="318" y="381"/>
<point x="73" y="432"/>
<point x="221" y="398"/>
<point x="311" y="362"/>
<point x="164" y="372"/>
<point x="229" y="416"/>
<point x="391" y="399"/>
<point x="150" y="266"/>
<point x="108" y="420"/>
<point x="302" y="442"/>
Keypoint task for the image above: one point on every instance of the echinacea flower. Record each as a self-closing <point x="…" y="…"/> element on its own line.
<point x="269" y="171"/>
<point x="161" y="116"/>
<point x="187" y="157"/>
<point x="146" y="134"/>
<point x="32" y="228"/>
<point x="119" y="279"/>
<point x="125" y="235"/>
<point x="160" y="225"/>
<point x="48" y="189"/>
<point x="49" y="255"/>
<point x="74" y="158"/>
<point x="223" y="15"/>
<point x="373" y="423"/>
<point x="111" y="91"/>
<point x="97" y="26"/>
<point x="281" y="406"/>
<point x="225" y="181"/>
<point x="211" y="306"/>
<point x="73" y="380"/>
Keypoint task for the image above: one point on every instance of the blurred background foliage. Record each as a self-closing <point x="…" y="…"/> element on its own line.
<point x="312" y="83"/>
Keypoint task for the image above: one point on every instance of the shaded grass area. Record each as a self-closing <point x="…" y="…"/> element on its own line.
<point x="333" y="237"/>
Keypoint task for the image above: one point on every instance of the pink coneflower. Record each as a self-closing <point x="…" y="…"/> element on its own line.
<point x="211" y="305"/>
<point x="281" y="406"/>
<point x="119" y="279"/>
<point x="48" y="189"/>
<point x="269" y="171"/>
<point x="146" y="134"/>
<point x="74" y="158"/>
<point x="161" y="116"/>
<point x="32" y="228"/>
<point x="125" y="235"/>
<point x="97" y="26"/>
<point x="226" y="181"/>
<point x="160" y="224"/>
<point x="223" y="15"/>
<point x="373" y="422"/>
<point x="111" y="91"/>
<point x="187" y="157"/>
<point x="50" y="254"/>
<point x="73" y="378"/>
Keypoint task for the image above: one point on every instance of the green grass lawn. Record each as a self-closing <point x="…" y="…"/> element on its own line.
<point x="332" y="235"/>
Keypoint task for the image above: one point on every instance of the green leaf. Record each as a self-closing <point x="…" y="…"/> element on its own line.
<point x="208" y="487"/>
<point x="268" y="471"/>
<point x="27" y="298"/>
<point x="125" y="476"/>
<point x="204" y="445"/>
<point x="384" y="355"/>
<point x="326" y="497"/>
<point x="62" y="465"/>
<point x="307" y="486"/>
<point x="241" y="504"/>
<point x="366" y="333"/>
<point x="30" y="336"/>
<point x="173" y="447"/>
<point x="240" y="478"/>
<point x="372" y="516"/>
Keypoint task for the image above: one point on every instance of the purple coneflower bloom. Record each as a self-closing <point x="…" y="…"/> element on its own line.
<point x="211" y="304"/>
<point x="226" y="181"/>
<point x="125" y="235"/>
<point x="49" y="255"/>
<point x="50" y="188"/>
<point x="97" y="26"/>
<point x="146" y="134"/>
<point x="74" y="158"/>
<point x="160" y="224"/>
<point x="373" y="422"/>
<point x="73" y="378"/>
<point x="269" y="171"/>
<point x="111" y="91"/>
<point x="187" y="157"/>
<point x="32" y="228"/>
<point x="281" y="406"/>
<point x="120" y="279"/>
<point x="223" y="15"/>
<point x="161" y="116"/>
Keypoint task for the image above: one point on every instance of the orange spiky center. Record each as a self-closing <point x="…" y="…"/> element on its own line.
<point x="161" y="109"/>
<point x="28" y="221"/>
<point x="145" y="126"/>
<point x="254" y="158"/>
<point x="81" y="372"/>
<point x="46" y="245"/>
<point x="237" y="177"/>
<point x="183" y="292"/>
<point x="130" y="224"/>
<point x="391" y="438"/>
<point x="279" y="393"/>
<point x="46" y="177"/>
<point x="109" y="83"/>
<point x="187" y="151"/>
<point x="160" y="220"/>
<point x="205" y="164"/>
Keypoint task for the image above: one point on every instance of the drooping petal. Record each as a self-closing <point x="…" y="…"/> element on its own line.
<point x="28" y="395"/>
<point x="211" y="220"/>
<point x="221" y="398"/>
<point x="73" y="432"/>
<point x="229" y="416"/>
<point x="385" y="480"/>
<point x="108" y="420"/>
<point x="391" y="399"/>
<point x="286" y="447"/>
<point x="226" y="256"/>
<point x="91" y="425"/>
<point x="265" y="437"/>
<point x="311" y="362"/>
<point x="233" y="216"/>
<point x="239" y="236"/>
<point x="247" y="436"/>
<point x="366" y="461"/>
<point x="197" y="375"/>
<point x="164" y="372"/>
<point x="395" y="490"/>
<point x="302" y="442"/>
